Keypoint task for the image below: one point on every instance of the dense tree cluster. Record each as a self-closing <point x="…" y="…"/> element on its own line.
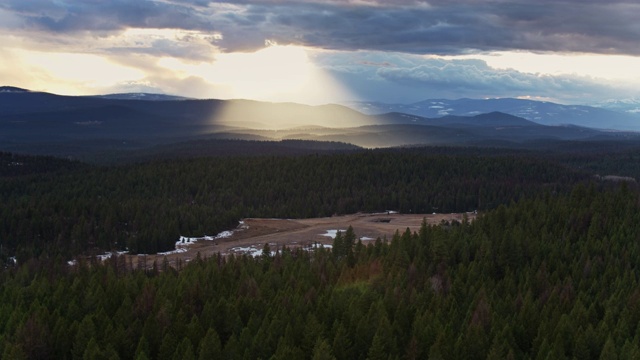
<point x="12" y="165"/>
<point x="145" y="207"/>
<point x="625" y="162"/>
<point x="551" y="276"/>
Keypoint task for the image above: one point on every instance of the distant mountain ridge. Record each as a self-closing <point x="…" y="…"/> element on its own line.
<point x="27" y="105"/>
<point x="494" y="118"/>
<point x="629" y="106"/>
<point x="49" y="124"/>
<point x="142" y="96"/>
<point x="6" y="89"/>
<point x="541" y="112"/>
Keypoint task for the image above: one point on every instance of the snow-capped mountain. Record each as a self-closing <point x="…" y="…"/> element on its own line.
<point x="630" y="106"/>
<point x="541" y="112"/>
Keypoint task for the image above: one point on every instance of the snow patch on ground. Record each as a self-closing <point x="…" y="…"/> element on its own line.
<point x="318" y="246"/>
<point x="181" y="245"/>
<point x="176" y="251"/>
<point x="332" y="233"/>
<point x="102" y="257"/>
<point x="107" y="256"/>
<point x="254" y="250"/>
<point x="366" y="238"/>
<point x="185" y="241"/>
<point x="222" y="235"/>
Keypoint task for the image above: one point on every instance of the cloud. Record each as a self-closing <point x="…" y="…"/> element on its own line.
<point x="112" y="27"/>
<point x="374" y="47"/>
<point x="465" y="75"/>
<point x="407" y="78"/>
<point x="444" y="27"/>
<point x="434" y="27"/>
<point x="102" y="16"/>
<point x="187" y="44"/>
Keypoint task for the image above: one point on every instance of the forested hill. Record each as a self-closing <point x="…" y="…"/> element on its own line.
<point x="549" y="277"/>
<point x="92" y="128"/>
<point x="146" y="207"/>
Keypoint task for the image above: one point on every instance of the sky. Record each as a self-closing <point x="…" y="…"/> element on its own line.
<point x="316" y="52"/>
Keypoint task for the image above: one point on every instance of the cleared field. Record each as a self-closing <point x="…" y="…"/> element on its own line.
<point x="252" y="234"/>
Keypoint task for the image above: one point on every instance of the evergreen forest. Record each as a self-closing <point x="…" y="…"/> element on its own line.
<point x="146" y="207"/>
<point x="548" y="270"/>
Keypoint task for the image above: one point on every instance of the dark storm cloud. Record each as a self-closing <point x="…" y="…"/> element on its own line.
<point x="98" y="15"/>
<point x="450" y="27"/>
<point x="436" y="27"/>
<point x="341" y="27"/>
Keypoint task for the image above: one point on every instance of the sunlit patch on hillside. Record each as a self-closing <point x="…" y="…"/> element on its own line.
<point x="279" y="74"/>
<point x="300" y="119"/>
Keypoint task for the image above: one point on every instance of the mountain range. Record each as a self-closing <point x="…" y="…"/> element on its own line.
<point x="81" y="126"/>
<point x="618" y="115"/>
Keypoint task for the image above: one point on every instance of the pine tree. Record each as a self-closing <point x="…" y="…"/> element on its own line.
<point x="92" y="352"/>
<point x="322" y="350"/>
<point x="142" y="356"/>
<point x="167" y="347"/>
<point x="110" y="353"/>
<point x="143" y="347"/>
<point x="266" y="251"/>
<point x="342" y="344"/>
<point x="348" y="245"/>
<point x="86" y="331"/>
<point x="232" y="349"/>
<point x="378" y="350"/>
<point x="312" y="332"/>
<point x="629" y="351"/>
<point x="338" y="246"/>
<point x="13" y="352"/>
<point x="609" y="350"/>
<point x="184" y="351"/>
<point x="210" y="346"/>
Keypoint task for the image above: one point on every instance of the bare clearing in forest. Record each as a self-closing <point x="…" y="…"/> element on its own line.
<point x="253" y="233"/>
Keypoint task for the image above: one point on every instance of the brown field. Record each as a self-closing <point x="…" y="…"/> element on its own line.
<point x="254" y="233"/>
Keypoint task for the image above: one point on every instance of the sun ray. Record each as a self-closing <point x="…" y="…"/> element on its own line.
<point x="275" y="73"/>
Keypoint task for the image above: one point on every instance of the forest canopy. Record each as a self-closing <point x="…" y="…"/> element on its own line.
<point x="546" y="277"/>
<point x="547" y="270"/>
<point x="145" y="208"/>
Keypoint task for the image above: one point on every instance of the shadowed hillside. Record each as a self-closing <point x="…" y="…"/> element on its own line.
<point x="88" y="127"/>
